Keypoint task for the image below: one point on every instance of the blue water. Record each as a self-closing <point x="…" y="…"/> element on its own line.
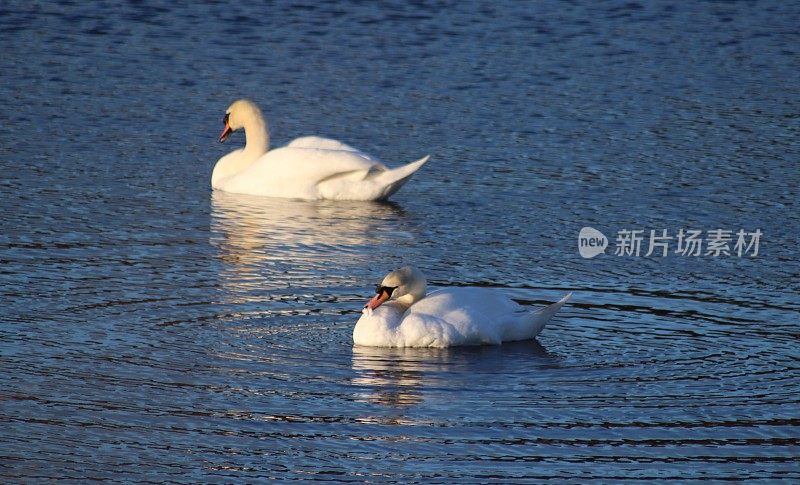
<point x="152" y="330"/>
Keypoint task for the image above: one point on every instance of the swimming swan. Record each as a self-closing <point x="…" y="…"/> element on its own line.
<point x="401" y="315"/>
<point x="307" y="168"/>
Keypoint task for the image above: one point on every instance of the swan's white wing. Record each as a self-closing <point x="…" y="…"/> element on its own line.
<point x="457" y="316"/>
<point x="323" y="144"/>
<point x="376" y="184"/>
<point x="471" y="316"/>
<point x="468" y="301"/>
<point x="296" y="172"/>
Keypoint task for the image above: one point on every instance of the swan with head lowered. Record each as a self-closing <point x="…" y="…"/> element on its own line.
<point x="307" y="168"/>
<point x="402" y="314"/>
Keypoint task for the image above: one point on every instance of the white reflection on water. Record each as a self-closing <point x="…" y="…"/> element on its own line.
<point x="398" y="377"/>
<point x="392" y="377"/>
<point x="274" y="242"/>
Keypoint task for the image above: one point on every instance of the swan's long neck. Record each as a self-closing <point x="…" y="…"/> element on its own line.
<point x="256" y="137"/>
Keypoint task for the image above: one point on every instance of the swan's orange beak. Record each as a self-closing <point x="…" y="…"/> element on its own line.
<point x="225" y="133"/>
<point x="378" y="299"/>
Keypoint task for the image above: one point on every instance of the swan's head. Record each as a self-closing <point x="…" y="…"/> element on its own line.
<point x="405" y="285"/>
<point x="238" y="114"/>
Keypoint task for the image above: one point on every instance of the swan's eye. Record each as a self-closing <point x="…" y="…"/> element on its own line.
<point x="388" y="289"/>
<point x="225" y="119"/>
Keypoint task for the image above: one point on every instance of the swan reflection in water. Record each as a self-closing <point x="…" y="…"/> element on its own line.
<point x="398" y="377"/>
<point x="274" y="242"/>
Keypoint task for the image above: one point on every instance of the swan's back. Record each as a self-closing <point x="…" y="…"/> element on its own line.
<point x="460" y="316"/>
<point x="477" y="302"/>
<point x="324" y="144"/>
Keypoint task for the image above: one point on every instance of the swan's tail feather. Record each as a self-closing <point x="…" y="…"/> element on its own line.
<point x="376" y="184"/>
<point x="535" y="321"/>
<point x="390" y="181"/>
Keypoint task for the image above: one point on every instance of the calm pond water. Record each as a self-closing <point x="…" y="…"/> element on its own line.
<point x="152" y="330"/>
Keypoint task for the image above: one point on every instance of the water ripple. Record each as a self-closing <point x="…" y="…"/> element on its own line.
<point x="147" y="320"/>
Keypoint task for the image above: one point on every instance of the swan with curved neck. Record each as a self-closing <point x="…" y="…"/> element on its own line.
<point x="402" y="314"/>
<point x="307" y="168"/>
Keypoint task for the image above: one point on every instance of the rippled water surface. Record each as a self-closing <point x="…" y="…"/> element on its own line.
<point x="152" y="330"/>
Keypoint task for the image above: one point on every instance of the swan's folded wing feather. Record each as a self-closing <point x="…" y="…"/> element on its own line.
<point x="523" y="325"/>
<point x="296" y="172"/>
<point x="314" y="164"/>
<point x="323" y="143"/>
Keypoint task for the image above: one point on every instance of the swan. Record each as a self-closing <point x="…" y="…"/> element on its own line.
<point x="401" y="315"/>
<point x="309" y="168"/>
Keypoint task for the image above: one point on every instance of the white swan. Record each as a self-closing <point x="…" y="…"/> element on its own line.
<point x="445" y="318"/>
<point x="307" y="168"/>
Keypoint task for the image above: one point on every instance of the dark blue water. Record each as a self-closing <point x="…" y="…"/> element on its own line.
<point x="152" y="330"/>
